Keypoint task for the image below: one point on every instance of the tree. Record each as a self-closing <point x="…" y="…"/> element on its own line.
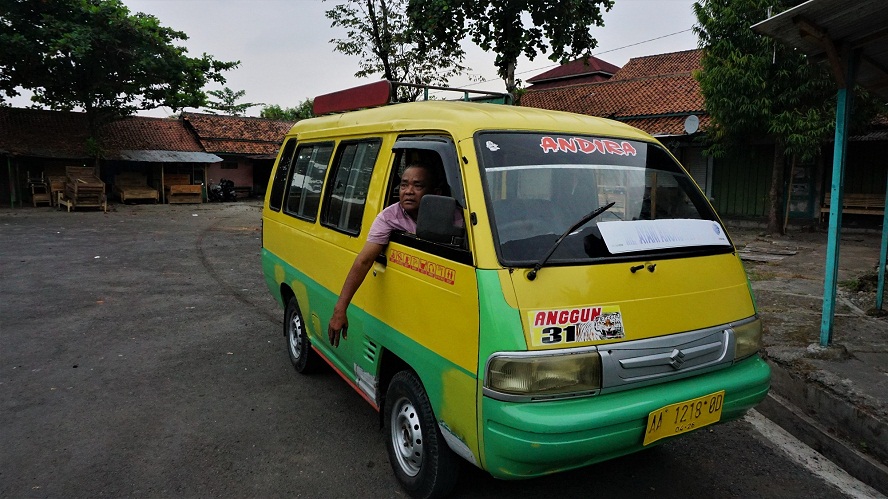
<point x="755" y="87"/>
<point x="511" y="28"/>
<point x="227" y="103"/>
<point x="377" y="31"/>
<point x="300" y="112"/>
<point x="94" y="55"/>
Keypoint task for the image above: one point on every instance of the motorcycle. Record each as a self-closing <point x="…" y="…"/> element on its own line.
<point x="223" y="191"/>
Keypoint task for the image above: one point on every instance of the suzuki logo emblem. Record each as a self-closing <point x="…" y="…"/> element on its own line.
<point x="676" y="359"/>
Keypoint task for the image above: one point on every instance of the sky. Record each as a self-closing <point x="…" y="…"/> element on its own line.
<point x="286" y="55"/>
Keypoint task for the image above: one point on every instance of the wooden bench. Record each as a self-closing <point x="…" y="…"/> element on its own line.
<point x="132" y="185"/>
<point x="179" y="189"/>
<point x="857" y="204"/>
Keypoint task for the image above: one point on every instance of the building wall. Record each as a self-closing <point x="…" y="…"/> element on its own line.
<point x="236" y="169"/>
<point x="741" y="181"/>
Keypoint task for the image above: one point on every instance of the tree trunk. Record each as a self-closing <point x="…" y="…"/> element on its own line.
<point x="775" y="194"/>
<point x="510" y="77"/>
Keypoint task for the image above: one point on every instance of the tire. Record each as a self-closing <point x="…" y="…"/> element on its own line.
<point x="420" y="458"/>
<point x="304" y="359"/>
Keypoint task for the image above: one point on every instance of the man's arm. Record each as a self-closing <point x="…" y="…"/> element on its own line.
<point x="356" y="275"/>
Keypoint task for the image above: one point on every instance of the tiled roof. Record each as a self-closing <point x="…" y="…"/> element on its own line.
<point x="238" y="135"/>
<point x="654" y="93"/>
<point x="575" y="68"/>
<point x="46" y="134"/>
<point x="660" y="64"/>
<point x="149" y="134"/>
<point x="59" y="134"/>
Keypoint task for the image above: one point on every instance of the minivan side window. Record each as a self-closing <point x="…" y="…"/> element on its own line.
<point x="346" y="192"/>
<point x="276" y="198"/>
<point x="307" y="180"/>
<point x="458" y="250"/>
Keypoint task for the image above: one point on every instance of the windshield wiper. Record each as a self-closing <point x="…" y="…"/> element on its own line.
<point x="581" y="222"/>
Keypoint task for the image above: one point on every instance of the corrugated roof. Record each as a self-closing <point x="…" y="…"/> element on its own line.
<point x="823" y="29"/>
<point x="238" y="135"/>
<point x="154" y="156"/>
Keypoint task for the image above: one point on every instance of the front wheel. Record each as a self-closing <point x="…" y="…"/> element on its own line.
<point x="304" y="359"/>
<point x="420" y="458"/>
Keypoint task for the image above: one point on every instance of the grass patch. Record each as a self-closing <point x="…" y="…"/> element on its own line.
<point x="761" y="275"/>
<point x="865" y="282"/>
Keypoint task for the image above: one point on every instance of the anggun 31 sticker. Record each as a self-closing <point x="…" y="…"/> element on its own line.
<point x="575" y="325"/>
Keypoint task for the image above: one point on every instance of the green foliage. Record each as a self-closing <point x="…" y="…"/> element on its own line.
<point x="756" y="87"/>
<point x="227" y="103"/>
<point x="377" y="31"/>
<point x="95" y="55"/>
<point x="302" y="111"/>
<point x="511" y="28"/>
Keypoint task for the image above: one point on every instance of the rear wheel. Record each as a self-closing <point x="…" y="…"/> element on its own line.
<point x="420" y="458"/>
<point x="304" y="359"/>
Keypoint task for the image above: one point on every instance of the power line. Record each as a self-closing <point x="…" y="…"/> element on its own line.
<point x="534" y="70"/>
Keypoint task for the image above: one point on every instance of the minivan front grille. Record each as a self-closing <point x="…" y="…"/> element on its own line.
<point x="625" y="365"/>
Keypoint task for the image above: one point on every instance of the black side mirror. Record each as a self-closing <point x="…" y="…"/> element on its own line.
<point x="437" y="220"/>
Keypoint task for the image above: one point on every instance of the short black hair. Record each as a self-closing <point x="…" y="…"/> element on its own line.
<point x="436" y="180"/>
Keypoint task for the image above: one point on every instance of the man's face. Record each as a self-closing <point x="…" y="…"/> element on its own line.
<point x="414" y="185"/>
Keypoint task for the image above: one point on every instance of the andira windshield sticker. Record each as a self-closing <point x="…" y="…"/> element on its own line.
<point x="575" y="325"/>
<point x="586" y="146"/>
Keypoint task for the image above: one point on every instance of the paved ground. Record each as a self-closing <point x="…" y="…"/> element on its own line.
<point x="140" y="355"/>
<point x="835" y="398"/>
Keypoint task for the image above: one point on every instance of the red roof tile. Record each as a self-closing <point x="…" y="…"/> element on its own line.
<point x="646" y="91"/>
<point x="577" y="68"/>
<point x="149" y="134"/>
<point x="660" y="64"/>
<point x="59" y="134"/>
<point x="238" y="135"/>
<point x="47" y="134"/>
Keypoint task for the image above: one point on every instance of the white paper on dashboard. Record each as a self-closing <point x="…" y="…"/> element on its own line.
<point x="641" y="235"/>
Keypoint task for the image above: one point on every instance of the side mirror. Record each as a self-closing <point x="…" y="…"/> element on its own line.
<point x="438" y="219"/>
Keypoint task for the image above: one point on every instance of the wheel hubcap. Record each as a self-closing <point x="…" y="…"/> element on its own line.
<point x="407" y="437"/>
<point x="296" y="336"/>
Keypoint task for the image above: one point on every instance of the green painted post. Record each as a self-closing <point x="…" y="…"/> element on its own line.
<point x="837" y="188"/>
<point x="883" y="255"/>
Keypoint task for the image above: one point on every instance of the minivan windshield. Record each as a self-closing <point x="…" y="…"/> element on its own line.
<point x="538" y="185"/>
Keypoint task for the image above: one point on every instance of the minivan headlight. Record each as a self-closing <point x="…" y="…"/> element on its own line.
<point x="747" y="338"/>
<point x="546" y="376"/>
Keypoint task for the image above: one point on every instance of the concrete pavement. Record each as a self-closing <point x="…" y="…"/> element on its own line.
<point x="835" y="399"/>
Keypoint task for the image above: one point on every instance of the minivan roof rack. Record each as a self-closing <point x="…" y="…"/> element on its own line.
<point x="383" y="93"/>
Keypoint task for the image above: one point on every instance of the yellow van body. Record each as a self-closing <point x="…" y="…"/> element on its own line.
<point x="616" y="345"/>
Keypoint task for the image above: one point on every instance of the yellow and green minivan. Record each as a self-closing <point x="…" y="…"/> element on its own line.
<point x="590" y="305"/>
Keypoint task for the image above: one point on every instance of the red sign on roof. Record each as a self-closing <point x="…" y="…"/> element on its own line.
<point x="371" y="95"/>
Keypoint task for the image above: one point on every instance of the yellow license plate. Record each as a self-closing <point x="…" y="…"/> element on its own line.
<point x="684" y="416"/>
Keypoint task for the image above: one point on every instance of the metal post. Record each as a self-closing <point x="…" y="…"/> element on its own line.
<point x="883" y="255"/>
<point x="843" y="109"/>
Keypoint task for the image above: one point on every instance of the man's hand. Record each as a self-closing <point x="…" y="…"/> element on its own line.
<point x="338" y="324"/>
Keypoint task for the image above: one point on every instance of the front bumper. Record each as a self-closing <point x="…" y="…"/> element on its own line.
<point x="527" y="439"/>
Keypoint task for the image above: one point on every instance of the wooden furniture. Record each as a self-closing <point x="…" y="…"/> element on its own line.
<point x="179" y="189"/>
<point x="83" y="189"/>
<point x="130" y="186"/>
<point x="56" y="187"/>
<point x="857" y="204"/>
<point x="39" y="190"/>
